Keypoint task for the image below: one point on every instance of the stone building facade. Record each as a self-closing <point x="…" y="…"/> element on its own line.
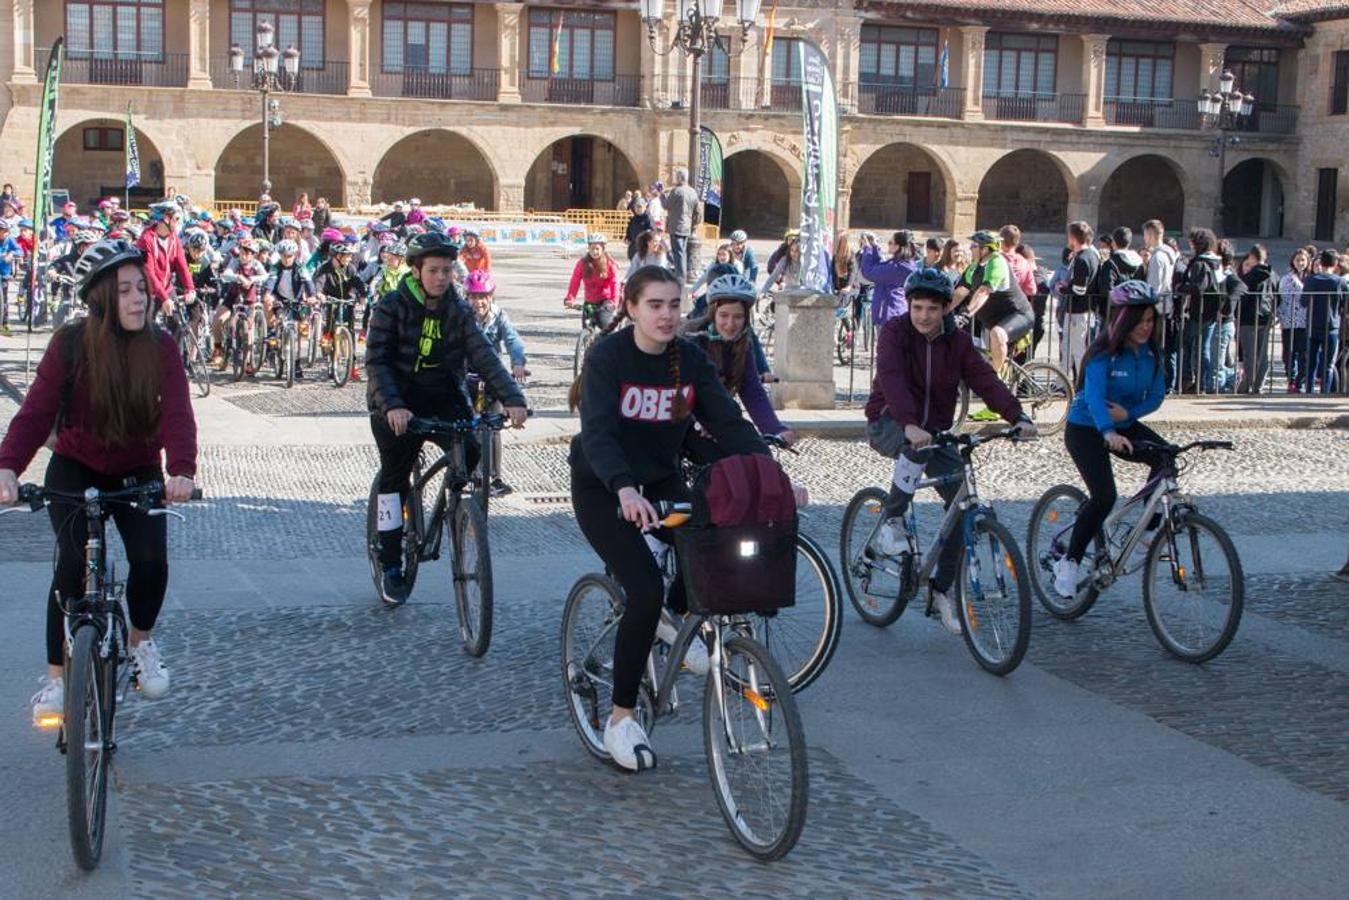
<point x="956" y="113"/>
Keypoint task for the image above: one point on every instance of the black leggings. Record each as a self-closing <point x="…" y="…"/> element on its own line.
<point x="145" y="538"/>
<point x="1091" y="456"/>
<point x="628" y="558"/>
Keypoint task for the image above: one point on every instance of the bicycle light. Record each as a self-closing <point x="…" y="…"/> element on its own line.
<point x="756" y="699"/>
<point x="749" y="549"/>
<point x="49" y="722"/>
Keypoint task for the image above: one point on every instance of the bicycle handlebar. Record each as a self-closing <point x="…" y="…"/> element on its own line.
<point x="1177" y="450"/>
<point x="777" y="442"/>
<point x="428" y="427"/>
<point x="970" y="441"/>
<point x="140" y="496"/>
<point x="672" y="513"/>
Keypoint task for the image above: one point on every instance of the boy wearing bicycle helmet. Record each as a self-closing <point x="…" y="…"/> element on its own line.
<point x="500" y="333"/>
<point x="921" y="360"/>
<point x="423" y="339"/>
<point x="338" y="278"/>
<point x="1123" y="379"/>
<point x="113" y="387"/>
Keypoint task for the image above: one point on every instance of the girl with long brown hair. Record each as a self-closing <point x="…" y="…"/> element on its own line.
<point x="639" y="390"/>
<point x="114" y="388"/>
<point x="598" y="274"/>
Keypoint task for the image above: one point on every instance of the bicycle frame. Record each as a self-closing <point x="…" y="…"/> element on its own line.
<point x="1158" y="499"/>
<point x="453" y="463"/>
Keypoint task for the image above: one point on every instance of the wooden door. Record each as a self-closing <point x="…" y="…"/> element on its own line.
<point x="919" y="192"/>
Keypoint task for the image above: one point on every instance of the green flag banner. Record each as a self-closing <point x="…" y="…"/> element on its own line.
<point x="819" y="180"/>
<point x="46" y="146"/>
<point x="709" y="167"/>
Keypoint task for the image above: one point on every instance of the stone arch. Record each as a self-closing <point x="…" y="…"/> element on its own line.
<point x="759" y="193"/>
<point x="437" y="166"/>
<point x="89" y="174"/>
<point x="903" y="185"/>
<point x="1253" y="199"/>
<point x="1144" y="187"/>
<point x="582" y="171"/>
<point x="1029" y="188"/>
<point x="300" y="162"/>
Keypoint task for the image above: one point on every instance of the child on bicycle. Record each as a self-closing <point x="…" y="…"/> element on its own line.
<point x="1123" y="379"/>
<point x="114" y="388"/>
<point x="599" y="274"/>
<point x="423" y="339"/>
<point x="921" y="360"/>
<point x="337" y="277"/>
<point x="496" y="326"/>
<point x="638" y="392"/>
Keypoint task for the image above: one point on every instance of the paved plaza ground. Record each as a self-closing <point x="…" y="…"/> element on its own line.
<point x="315" y="744"/>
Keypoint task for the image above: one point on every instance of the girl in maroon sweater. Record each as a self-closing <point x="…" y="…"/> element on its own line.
<point x="114" y="388"/>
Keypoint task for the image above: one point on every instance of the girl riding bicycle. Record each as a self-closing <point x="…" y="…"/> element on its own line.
<point x="114" y="388"/>
<point x="638" y="393"/>
<point x="1122" y="380"/>
<point x="598" y="273"/>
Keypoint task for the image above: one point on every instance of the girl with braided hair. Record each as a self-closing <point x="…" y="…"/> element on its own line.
<point x="640" y="389"/>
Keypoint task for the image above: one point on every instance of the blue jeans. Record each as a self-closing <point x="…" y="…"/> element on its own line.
<point x="1321" y="351"/>
<point x="1200" y="345"/>
<point x="1224" y="376"/>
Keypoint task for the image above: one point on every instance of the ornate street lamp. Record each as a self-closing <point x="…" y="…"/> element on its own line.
<point x="1224" y="111"/>
<point x="695" y="32"/>
<point x="273" y="71"/>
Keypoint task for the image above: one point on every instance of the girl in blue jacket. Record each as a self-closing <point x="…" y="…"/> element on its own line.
<point x="1121" y="381"/>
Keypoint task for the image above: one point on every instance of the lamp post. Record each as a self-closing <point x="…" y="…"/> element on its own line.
<point x="273" y="70"/>
<point x="1224" y="112"/>
<point x="695" y="33"/>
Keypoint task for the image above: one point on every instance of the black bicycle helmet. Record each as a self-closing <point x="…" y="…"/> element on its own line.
<point x="104" y="256"/>
<point x="931" y="283"/>
<point x="1133" y="293"/>
<point x="431" y="243"/>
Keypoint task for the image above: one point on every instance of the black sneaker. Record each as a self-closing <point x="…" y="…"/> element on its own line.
<point x="394" y="589"/>
<point x="500" y="488"/>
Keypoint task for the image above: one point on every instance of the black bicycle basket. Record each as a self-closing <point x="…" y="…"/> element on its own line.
<point x="732" y="569"/>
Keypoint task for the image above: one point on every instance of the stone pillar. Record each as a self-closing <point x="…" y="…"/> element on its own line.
<point x="25" y="37"/>
<point x="847" y="60"/>
<point x="358" y="191"/>
<point x="655" y="82"/>
<point x="973" y="71"/>
<point x="512" y="197"/>
<point x="1093" y="79"/>
<point x="966" y="214"/>
<point x="199" y="45"/>
<point x="1211" y="65"/>
<point x="508" y="61"/>
<point x="803" y="350"/>
<point x="358" y="42"/>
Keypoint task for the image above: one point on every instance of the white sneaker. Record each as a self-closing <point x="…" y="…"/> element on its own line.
<point x="893" y="538"/>
<point x="946" y="605"/>
<point x="49" y="703"/>
<point x="629" y="746"/>
<point x="695" y="658"/>
<point x="1065" y="578"/>
<point x="149" y="670"/>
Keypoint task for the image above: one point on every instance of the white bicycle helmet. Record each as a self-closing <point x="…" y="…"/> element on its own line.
<point x="597" y="238"/>
<point x="734" y="287"/>
<point x="738" y="236"/>
<point x="287" y="248"/>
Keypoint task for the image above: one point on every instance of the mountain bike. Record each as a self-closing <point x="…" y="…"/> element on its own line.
<point x="194" y="342"/>
<point x="1193" y="585"/>
<point x="854" y="325"/>
<point x="1045" y="391"/>
<point x="430" y="509"/>
<point x="992" y="599"/>
<point x="66" y="305"/>
<point x="765" y="319"/>
<point x="752" y="734"/>
<point x="97" y="667"/>
<point x="283" y="347"/>
<point x="334" y="338"/>
<point x="590" y="330"/>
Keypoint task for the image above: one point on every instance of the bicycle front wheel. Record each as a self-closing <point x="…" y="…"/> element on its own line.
<point x="756" y="749"/>
<point x="994" y="602"/>
<point x="1047" y="538"/>
<point x="804" y="636"/>
<point x="342" y="355"/>
<point x="1045" y="394"/>
<point x="583" y="342"/>
<point x="1194" y="596"/>
<point x="285" y="359"/>
<point x="875" y="583"/>
<point x="87" y="721"/>
<point x="472" y="568"/>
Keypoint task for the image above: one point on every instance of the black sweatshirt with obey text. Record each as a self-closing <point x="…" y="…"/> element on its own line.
<point x="629" y="436"/>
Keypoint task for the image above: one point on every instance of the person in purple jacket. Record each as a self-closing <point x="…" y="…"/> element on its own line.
<point x="921" y="358"/>
<point x="723" y="336"/>
<point x="888" y="275"/>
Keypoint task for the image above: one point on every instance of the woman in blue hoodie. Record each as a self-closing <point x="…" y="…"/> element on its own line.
<point x="1122" y="380"/>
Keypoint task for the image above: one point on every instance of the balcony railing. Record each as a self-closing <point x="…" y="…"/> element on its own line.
<point x="478" y="84"/>
<point x="621" y="90"/>
<point x="1030" y="107"/>
<point x="876" y="99"/>
<point x="1147" y="112"/>
<point x="738" y="92"/>
<point x="168" y="70"/>
<point x="1271" y="120"/>
<point x="332" y="78"/>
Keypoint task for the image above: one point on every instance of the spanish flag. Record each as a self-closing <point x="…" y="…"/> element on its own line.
<point x="555" y="51"/>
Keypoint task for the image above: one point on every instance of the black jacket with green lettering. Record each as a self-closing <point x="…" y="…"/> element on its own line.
<point x="392" y="344"/>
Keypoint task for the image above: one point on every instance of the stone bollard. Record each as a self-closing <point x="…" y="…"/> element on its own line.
<point x="803" y="354"/>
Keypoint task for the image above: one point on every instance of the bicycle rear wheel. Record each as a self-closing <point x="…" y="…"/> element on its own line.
<point x="1194" y="600"/>
<point x="1047" y="538"/>
<point x="342" y="358"/>
<point x="87" y="721"/>
<point x="756" y="749"/>
<point x="471" y="564"/>
<point x="875" y="583"/>
<point x="994" y="601"/>
<point x="804" y="636"/>
<point x="1045" y="394"/>
<point x="962" y="408"/>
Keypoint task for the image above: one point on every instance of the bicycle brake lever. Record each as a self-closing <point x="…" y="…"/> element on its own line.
<point x="167" y="512"/>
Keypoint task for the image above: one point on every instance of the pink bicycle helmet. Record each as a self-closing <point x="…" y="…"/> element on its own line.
<point x="480" y="282"/>
<point x="331" y="234"/>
